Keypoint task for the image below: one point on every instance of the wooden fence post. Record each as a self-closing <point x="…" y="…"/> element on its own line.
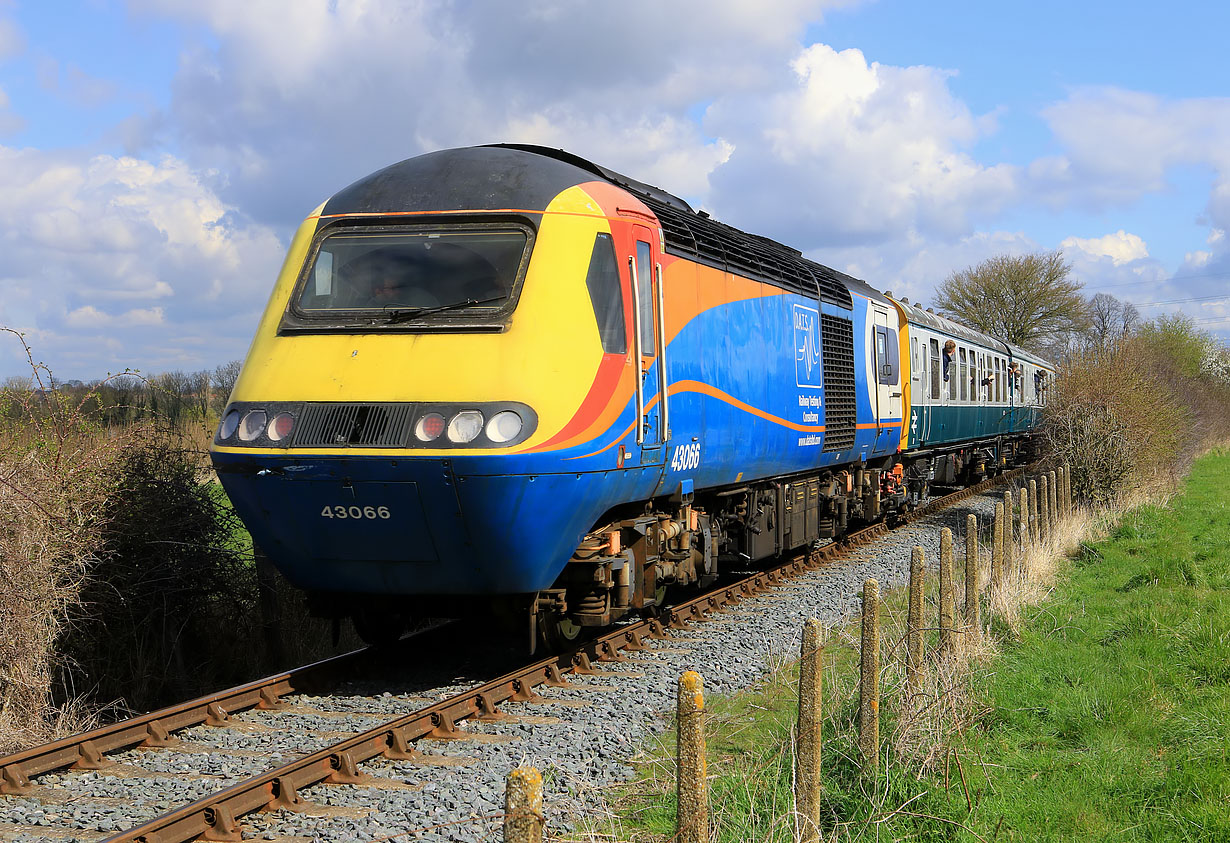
<point x="947" y="600"/>
<point x="807" y="735"/>
<point x="972" y="620"/>
<point x="1009" y="537"/>
<point x="1054" y="501"/>
<point x="997" y="548"/>
<point x="523" y="819"/>
<point x="869" y="680"/>
<point x="914" y="624"/>
<point x="1044" y="525"/>
<point x="1033" y="510"/>
<point x="692" y="788"/>
<point x="1024" y="514"/>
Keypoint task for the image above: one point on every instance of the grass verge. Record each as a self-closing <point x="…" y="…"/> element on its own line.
<point x="1096" y="709"/>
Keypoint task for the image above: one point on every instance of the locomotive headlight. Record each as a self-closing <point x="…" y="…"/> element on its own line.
<point x="503" y="426"/>
<point x="230" y="423"/>
<point x="280" y="427"/>
<point x="252" y="424"/>
<point x="465" y="426"/>
<point x="429" y="427"/>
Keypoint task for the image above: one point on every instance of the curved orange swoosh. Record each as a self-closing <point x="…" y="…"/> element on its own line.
<point x="713" y="392"/>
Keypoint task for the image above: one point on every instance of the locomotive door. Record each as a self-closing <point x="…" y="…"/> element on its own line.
<point x="650" y="351"/>
<point x="887" y="384"/>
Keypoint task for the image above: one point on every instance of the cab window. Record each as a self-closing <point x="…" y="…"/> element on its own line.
<point x="606" y="296"/>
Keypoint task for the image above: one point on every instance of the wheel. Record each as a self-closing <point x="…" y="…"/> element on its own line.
<point x="379" y="628"/>
<point x="557" y="632"/>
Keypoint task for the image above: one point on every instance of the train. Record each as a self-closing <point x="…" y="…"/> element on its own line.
<point x="505" y="381"/>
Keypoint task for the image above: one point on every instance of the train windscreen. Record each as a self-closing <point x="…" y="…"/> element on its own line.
<point x="413" y="275"/>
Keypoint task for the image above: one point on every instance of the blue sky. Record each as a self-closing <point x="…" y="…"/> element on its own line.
<point x="156" y="154"/>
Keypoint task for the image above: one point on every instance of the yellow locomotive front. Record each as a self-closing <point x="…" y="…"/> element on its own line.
<point x="431" y="330"/>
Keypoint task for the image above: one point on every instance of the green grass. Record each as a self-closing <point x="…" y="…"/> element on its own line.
<point x="1111" y="718"/>
<point x="1108" y="718"/>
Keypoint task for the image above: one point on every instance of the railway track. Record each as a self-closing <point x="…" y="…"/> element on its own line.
<point x="221" y="812"/>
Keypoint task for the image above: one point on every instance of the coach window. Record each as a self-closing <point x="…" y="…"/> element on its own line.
<point x="606" y="297"/>
<point x="917" y="364"/>
<point x="935" y="369"/>
<point x="963" y="374"/>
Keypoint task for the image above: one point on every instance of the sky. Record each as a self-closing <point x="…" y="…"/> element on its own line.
<point x="156" y="155"/>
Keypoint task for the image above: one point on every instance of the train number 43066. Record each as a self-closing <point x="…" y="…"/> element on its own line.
<point x="685" y="457"/>
<point x="357" y="512"/>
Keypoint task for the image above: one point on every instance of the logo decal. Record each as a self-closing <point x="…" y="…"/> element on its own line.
<point x="807" y="370"/>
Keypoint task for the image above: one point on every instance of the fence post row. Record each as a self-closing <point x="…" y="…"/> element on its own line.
<point x="869" y="681"/>
<point x="692" y="802"/>
<point x="807" y="735"/>
<point x="972" y="620"/>
<point x="523" y="819"/>
<point x="947" y="601"/>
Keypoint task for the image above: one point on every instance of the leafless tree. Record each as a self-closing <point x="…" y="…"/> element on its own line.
<point x="223" y="382"/>
<point x="1110" y="320"/>
<point x="200" y="391"/>
<point x="1027" y="300"/>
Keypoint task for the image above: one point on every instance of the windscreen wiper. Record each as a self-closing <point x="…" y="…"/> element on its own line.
<point x="406" y="314"/>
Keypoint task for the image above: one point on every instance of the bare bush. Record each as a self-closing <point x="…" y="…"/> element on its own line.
<point x="1137" y="412"/>
<point x="55" y="476"/>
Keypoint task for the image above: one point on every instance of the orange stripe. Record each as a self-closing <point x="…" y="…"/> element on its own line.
<point x="714" y="392"/>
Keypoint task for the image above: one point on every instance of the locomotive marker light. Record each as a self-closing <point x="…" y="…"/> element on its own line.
<point x="252" y="425"/>
<point x="429" y="427"/>
<point x="280" y="427"/>
<point x="230" y="423"/>
<point x="503" y="426"/>
<point x="465" y="426"/>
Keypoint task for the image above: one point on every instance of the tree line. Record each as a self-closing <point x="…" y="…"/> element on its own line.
<point x="1033" y="302"/>
<point x="173" y="397"/>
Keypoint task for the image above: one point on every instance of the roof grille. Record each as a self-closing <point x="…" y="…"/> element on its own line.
<point x="721" y="246"/>
<point x="354" y="425"/>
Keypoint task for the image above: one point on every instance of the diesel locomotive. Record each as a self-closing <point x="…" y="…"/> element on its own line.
<point x="504" y="379"/>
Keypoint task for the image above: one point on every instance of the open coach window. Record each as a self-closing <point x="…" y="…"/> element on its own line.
<point x="412" y="275"/>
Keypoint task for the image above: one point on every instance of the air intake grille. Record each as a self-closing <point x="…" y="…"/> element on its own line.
<point x="840" y="409"/>
<point x="718" y="245"/>
<point x="354" y="425"/>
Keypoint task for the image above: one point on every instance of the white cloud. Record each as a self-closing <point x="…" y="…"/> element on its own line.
<point x="12" y="39"/>
<point x="851" y="150"/>
<point x="100" y="244"/>
<point x="1120" y="247"/>
<point x="90" y="317"/>
<point x="295" y="100"/>
<point x="1119" y="145"/>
